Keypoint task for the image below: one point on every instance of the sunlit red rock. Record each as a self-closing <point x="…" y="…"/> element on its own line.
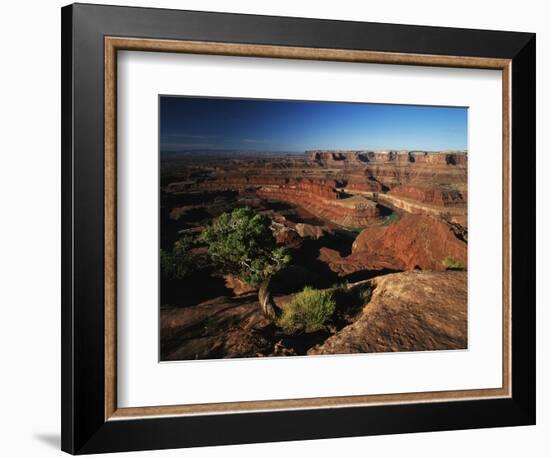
<point x="432" y="195"/>
<point x="413" y="242"/>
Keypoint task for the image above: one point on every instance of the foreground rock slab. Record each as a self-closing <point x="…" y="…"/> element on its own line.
<point x="220" y="328"/>
<point x="408" y="311"/>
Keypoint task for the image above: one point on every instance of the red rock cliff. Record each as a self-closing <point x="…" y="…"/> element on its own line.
<point x="415" y="241"/>
<point x="431" y="196"/>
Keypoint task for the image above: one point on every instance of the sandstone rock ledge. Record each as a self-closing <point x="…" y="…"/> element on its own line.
<point x="408" y="311"/>
<point x="219" y="328"/>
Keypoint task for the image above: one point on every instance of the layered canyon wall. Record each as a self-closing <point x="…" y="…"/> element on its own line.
<point x="343" y="187"/>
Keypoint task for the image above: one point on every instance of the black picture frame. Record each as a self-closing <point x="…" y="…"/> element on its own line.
<point x="84" y="428"/>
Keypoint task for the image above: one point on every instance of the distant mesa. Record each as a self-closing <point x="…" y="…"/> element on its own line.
<point x="342" y="158"/>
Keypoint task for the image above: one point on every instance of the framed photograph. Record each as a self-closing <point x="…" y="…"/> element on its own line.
<point x="282" y="228"/>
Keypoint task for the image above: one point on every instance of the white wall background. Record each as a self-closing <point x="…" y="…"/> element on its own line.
<point x="30" y="226"/>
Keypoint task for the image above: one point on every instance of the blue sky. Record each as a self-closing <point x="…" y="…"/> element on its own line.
<point x="188" y="123"/>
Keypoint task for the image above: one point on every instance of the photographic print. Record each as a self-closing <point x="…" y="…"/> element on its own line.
<point x="302" y="228"/>
<point x="303" y="218"/>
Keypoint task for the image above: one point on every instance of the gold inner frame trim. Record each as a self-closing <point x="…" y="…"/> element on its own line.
<point x="114" y="44"/>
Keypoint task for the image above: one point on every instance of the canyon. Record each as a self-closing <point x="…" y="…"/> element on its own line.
<point x="393" y="221"/>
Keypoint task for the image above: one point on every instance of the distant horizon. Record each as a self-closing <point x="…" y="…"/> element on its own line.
<point x="205" y="124"/>
<point x="368" y="150"/>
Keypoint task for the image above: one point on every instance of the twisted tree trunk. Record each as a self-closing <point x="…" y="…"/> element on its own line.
<point x="267" y="304"/>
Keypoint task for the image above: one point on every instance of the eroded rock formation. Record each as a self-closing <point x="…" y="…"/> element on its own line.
<point x="323" y="182"/>
<point x="345" y="216"/>
<point x="408" y="311"/>
<point x="325" y="203"/>
<point x="432" y="196"/>
<point x="413" y="242"/>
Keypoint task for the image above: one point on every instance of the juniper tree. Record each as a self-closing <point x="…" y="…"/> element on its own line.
<point x="241" y="243"/>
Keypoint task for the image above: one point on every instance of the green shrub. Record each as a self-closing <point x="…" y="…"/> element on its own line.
<point x="452" y="264"/>
<point x="340" y="288"/>
<point x="365" y="294"/>
<point x="346" y="296"/>
<point x="308" y="310"/>
<point x="180" y="261"/>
